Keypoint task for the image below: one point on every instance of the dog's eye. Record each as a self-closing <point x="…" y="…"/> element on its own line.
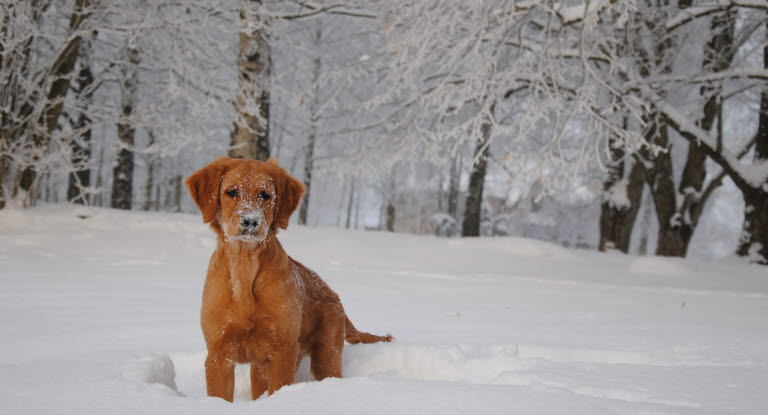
<point x="265" y="195"/>
<point x="232" y="193"/>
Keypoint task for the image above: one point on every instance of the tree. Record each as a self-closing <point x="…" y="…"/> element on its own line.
<point x="622" y="195"/>
<point x="250" y="138"/>
<point x="678" y="210"/>
<point x="472" y="208"/>
<point x="80" y="176"/>
<point x="718" y="56"/>
<point x="122" y="174"/>
<point x="314" y="115"/>
<point x="572" y="60"/>
<point x="754" y="235"/>
<point x="33" y="100"/>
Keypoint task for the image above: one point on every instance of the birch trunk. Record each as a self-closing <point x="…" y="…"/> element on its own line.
<point x="250" y="138"/>
<point x="122" y="174"/>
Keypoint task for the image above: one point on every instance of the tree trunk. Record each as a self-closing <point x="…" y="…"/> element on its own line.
<point x="150" y="173"/>
<point x="3" y="165"/>
<point x="622" y="195"/>
<point x="61" y="71"/>
<point x="250" y="138"/>
<point x="357" y="210"/>
<point x="754" y="233"/>
<point x="389" y="217"/>
<point x="99" y="179"/>
<point x="473" y="206"/>
<point x="309" y="155"/>
<point x="341" y="205"/>
<point x="617" y="220"/>
<point x="157" y="198"/>
<point x="453" y="187"/>
<point x="17" y="99"/>
<point x="167" y="201"/>
<point x="177" y="193"/>
<point x="80" y="178"/>
<point x="645" y="223"/>
<point x="122" y="174"/>
<point x="148" y="187"/>
<point x="674" y="232"/>
<point x="678" y="210"/>
<point x="349" y="203"/>
<point x="717" y="58"/>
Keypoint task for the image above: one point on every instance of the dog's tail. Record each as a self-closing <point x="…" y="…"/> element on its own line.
<point x="353" y="336"/>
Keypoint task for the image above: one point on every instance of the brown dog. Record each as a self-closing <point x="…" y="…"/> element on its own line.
<point x="259" y="305"/>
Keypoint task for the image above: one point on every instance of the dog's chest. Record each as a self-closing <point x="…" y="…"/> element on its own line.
<point x="257" y="330"/>
<point x="243" y="271"/>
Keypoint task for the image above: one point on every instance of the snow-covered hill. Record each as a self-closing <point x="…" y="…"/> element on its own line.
<point x="99" y="314"/>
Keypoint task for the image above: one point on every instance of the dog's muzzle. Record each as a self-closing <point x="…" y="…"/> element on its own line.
<point x="249" y="224"/>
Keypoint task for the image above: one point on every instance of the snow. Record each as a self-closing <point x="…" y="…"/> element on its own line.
<point x="690" y="13"/>
<point x="99" y="313"/>
<point x="755" y="175"/>
<point x="617" y="196"/>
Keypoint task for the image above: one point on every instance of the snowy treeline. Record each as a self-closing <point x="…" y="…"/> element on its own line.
<point x="569" y="121"/>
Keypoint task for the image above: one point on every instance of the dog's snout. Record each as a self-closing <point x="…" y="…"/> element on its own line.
<point x="249" y="221"/>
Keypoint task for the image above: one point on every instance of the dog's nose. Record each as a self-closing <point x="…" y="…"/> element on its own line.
<point x="249" y="221"/>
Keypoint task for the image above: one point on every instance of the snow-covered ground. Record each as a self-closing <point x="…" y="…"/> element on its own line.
<point x="99" y="314"/>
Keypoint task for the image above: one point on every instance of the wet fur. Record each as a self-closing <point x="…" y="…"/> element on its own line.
<point x="260" y="306"/>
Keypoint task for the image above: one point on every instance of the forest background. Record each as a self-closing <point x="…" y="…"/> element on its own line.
<point x="639" y="126"/>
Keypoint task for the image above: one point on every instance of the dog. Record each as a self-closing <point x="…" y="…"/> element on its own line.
<point x="260" y="306"/>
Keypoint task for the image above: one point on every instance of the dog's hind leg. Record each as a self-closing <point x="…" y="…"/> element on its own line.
<point x="327" y="348"/>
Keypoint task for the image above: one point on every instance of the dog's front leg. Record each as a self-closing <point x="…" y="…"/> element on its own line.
<point x="282" y="368"/>
<point x="220" y="376"/>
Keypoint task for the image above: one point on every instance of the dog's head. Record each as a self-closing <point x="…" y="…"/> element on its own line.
<point x="245" y="199"/>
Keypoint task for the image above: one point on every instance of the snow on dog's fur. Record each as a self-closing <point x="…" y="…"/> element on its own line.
<point x="260" y="306"/>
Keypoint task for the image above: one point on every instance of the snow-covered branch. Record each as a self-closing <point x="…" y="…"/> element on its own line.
<point x="691" y="13"/>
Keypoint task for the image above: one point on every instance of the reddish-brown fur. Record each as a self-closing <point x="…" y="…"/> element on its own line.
<point x="260" y="306"/>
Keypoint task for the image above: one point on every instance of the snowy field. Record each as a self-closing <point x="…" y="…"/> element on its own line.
<point x="99" y="315"/>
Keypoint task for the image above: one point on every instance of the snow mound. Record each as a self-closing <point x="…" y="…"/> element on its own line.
<point x="155" y="368"/>
<point x="476" y="364"/>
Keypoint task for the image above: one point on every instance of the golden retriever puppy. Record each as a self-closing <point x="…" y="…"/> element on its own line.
<point x="260" y="306"/>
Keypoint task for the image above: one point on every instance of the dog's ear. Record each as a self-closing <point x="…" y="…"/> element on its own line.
<point x="204" y="186"/>
<point x="289" y="192"/>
